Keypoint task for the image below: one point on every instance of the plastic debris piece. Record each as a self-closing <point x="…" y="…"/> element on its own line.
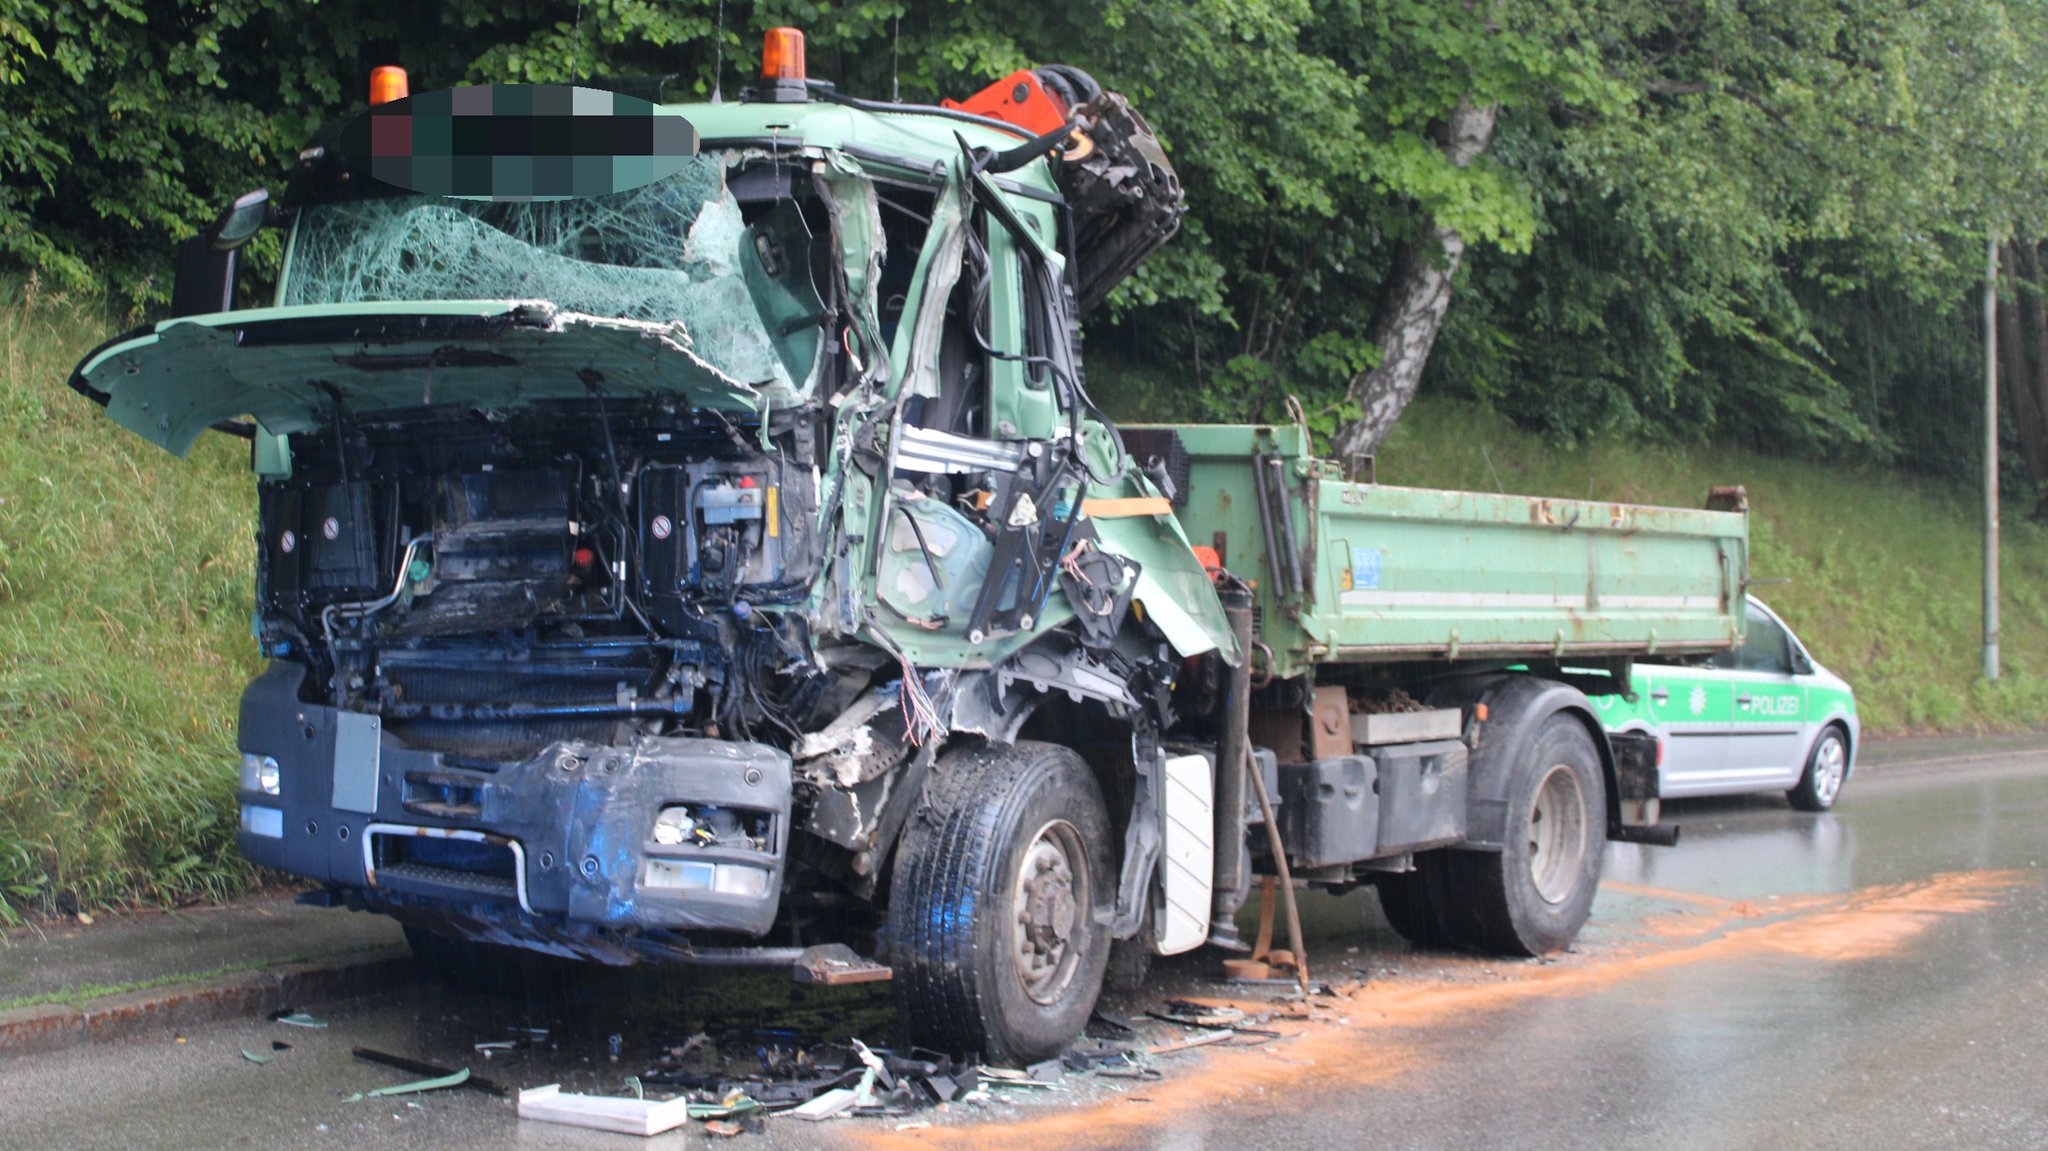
<point x="420" y="1067"/>
<point x="913" y="1125"/>
<point x="1202" y="1040"/>
<point x="299" y="1019"/>
<point x="1084" y="1056"/>
<point x="252" y="1057"/>
<point x="723" y="1129"/>
<point x="280" y="1045"/>
<point x="492" y="1047"/>
<point x="1011" y="1077"/>
<point x="415" y="1087"/>
<point x="735" y="1104"/>
<point x="1049" y="1071"/>
<point x="1115" y="1026"/>
<point x="550" y="1104"/>
<point x="837" y="1101"/>
<point x="864" y="1093"/>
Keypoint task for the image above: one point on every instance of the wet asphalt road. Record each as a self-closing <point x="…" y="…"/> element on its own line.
<point x="1876" y="977"/>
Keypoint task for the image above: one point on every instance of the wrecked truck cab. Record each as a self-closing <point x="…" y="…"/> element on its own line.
<point x="639" y="574"/>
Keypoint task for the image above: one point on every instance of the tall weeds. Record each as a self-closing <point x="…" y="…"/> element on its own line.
<point x="124" y="635"/>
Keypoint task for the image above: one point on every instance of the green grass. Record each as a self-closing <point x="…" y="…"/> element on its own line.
<point x="124" y="636"/>
<point x="85" y="993"/>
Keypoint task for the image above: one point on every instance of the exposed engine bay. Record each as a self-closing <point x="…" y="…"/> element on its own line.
<point x="554" y="573"/>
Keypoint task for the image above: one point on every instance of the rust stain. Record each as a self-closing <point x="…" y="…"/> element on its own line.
<point x="1382" y="1030"/>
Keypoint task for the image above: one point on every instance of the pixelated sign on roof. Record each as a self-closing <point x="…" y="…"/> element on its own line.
<point x="519" y="142"/>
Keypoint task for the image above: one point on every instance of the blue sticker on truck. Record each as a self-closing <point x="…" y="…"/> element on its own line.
<point x="1365" y="568"/>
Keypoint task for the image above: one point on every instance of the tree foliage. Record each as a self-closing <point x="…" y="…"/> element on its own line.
<point x="1694" y="218"/>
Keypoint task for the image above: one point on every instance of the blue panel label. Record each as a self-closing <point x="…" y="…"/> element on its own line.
<point x="1365" y="568"/>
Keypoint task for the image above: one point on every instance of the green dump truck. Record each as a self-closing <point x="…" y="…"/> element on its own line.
<point x="734" y="570"/>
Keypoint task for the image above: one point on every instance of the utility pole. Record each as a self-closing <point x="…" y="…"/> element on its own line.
<point x="1991" y="459"/>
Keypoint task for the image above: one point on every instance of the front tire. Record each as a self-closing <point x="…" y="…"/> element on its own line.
<point x="992" y="930"/>
<point x="1532" y="897"/>
<point x="1826" y="767"/>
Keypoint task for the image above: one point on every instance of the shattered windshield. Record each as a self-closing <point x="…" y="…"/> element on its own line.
<point x="677" y="251"/>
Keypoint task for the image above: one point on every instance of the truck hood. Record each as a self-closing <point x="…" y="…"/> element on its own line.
<point x="290" y="367"/>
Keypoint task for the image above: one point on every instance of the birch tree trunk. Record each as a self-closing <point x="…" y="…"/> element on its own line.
<point x="1418" y="295"/>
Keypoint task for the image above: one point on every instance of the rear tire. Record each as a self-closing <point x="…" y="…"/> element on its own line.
<point x="1826" y="767"/>
<point x="1533" y="896"/>
<point x="992" y="931"/>
<point x="1410" y="901"/>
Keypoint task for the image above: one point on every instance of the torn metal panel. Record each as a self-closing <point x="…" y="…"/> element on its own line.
<point x="290" y="366"/>
<point x="1172" y="589"/>
<point x="859" y="745"/>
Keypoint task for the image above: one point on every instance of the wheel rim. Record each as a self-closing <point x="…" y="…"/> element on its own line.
<point x="1557" y="834"/>
<point x="1051" y="899"/>
<point x="1830" y="763"/>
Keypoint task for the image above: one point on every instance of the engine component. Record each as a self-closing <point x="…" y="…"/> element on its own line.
<point x="707" y="530"/>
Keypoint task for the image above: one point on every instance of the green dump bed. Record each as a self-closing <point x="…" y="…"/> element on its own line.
<point x="1389" y="573"/>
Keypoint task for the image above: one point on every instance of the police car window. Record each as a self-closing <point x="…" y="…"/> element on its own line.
<point x="1766" y="647"/>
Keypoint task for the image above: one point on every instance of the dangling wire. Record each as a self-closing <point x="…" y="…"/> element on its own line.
<point x="896" y="61"/>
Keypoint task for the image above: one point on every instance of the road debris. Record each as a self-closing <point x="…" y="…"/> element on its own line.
<point x="828" y="1105"/>
<point x="258" y="1060"/>
<point x="296" y="1018"/>
<point x="550" y="1104"/>
<point x="1203" y="1040"/>
<point x="437" y="1084"/>
<point x="419" y="1067"/>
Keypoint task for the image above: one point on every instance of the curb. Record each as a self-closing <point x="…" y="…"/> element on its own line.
<point x="55" y="1026"/>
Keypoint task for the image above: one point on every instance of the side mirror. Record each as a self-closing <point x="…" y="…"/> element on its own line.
<point x="1802" y="664"/>
<point x="243" y="219"/>
<point x="205" y="280"/>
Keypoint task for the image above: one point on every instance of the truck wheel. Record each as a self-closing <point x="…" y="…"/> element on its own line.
<point x="991" y="914"/>
<point x="1825" y="770"/>
<point x="1409" y="901"/>
<point x="1532" y="896"/>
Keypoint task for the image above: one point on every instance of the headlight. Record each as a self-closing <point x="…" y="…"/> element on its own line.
<point x="259" y="773"/>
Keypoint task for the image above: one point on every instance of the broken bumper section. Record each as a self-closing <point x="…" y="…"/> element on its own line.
<point x="574" y="850"/>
